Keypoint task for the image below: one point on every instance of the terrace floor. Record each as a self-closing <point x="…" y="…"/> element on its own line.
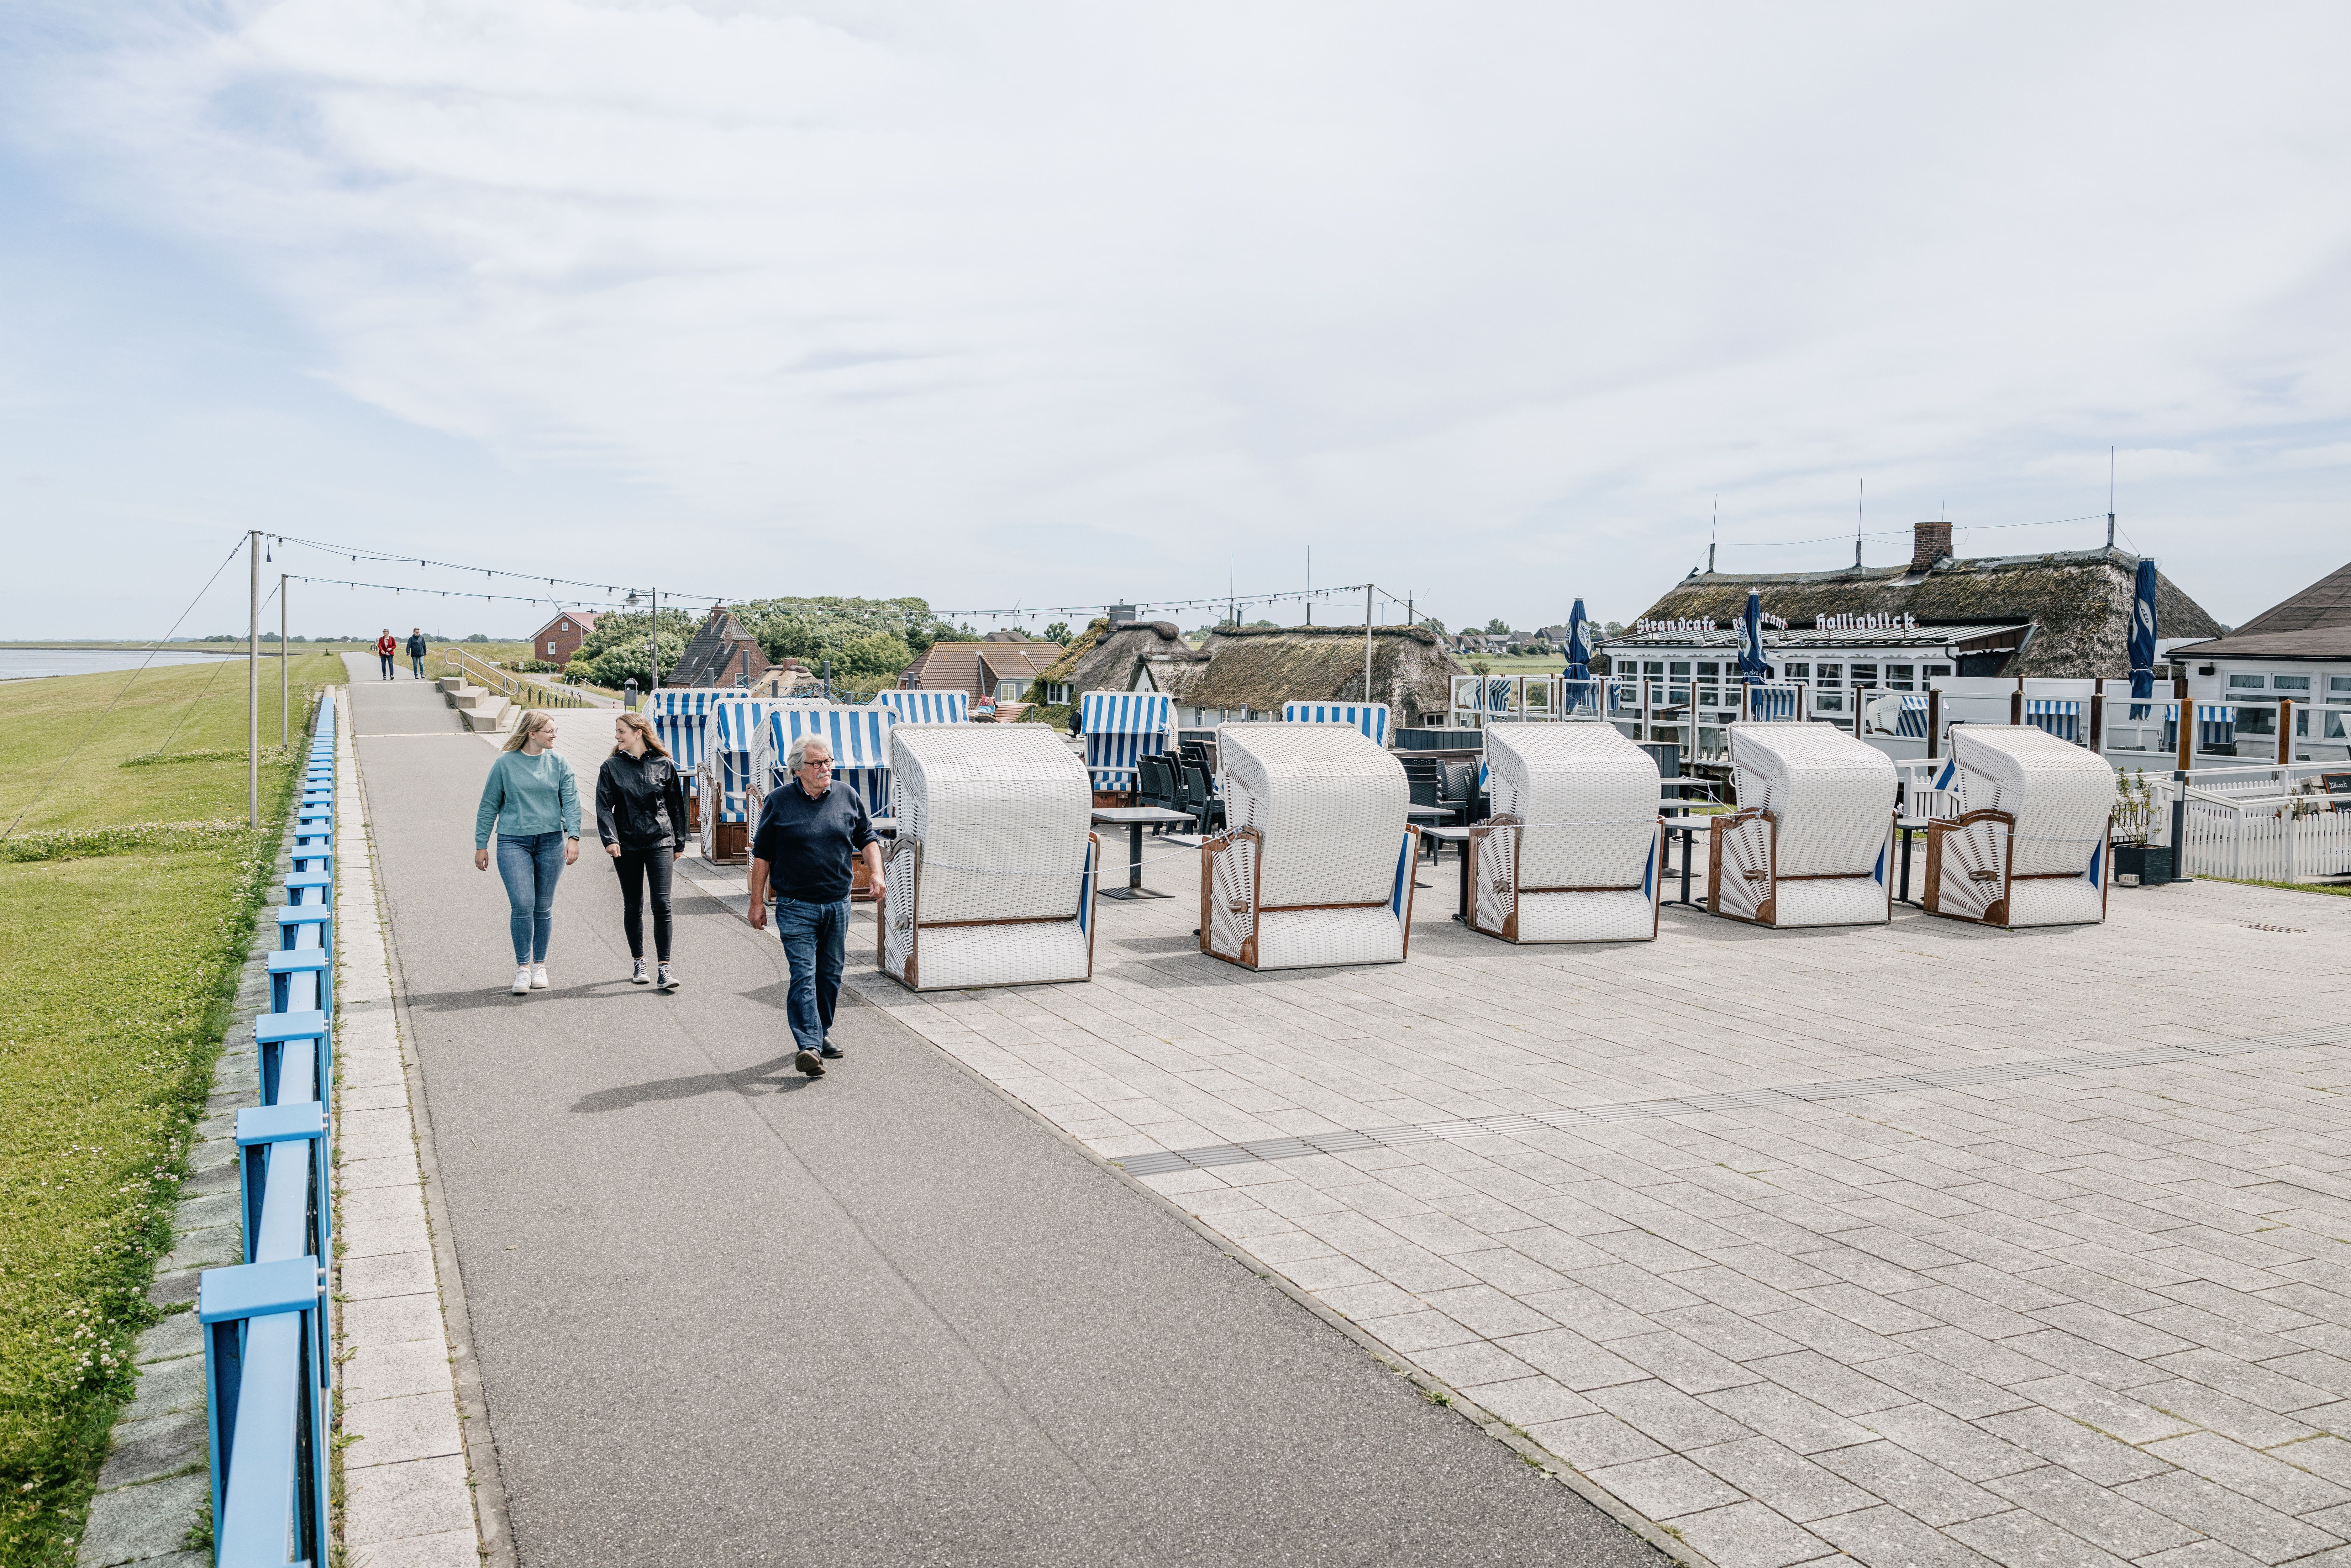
<point x="2037" y="1310"/>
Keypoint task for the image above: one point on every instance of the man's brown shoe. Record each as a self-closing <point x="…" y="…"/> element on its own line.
<point x="807" y="1063"/>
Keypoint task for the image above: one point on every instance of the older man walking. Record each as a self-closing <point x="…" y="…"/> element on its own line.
<point x="808" y="832"/>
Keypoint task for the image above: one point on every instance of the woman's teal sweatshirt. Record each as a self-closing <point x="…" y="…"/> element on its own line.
<point x="527" y="795"/>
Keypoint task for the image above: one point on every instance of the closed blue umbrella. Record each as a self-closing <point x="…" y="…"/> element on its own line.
<point x="2142" y="636"/>
<point x="1579" y="645"/>
<point x="1751" y="666"/>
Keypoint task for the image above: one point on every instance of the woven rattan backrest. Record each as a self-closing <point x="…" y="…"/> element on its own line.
<point x="2061" y="794"/>
<point x="1000" y="811"/>
<point x="1589" y="796"/>
<point x="1331" y="804"/>
<point x="1834" y="795"/>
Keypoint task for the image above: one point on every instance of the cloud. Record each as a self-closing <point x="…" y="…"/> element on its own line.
<point x="1063" y="301"/>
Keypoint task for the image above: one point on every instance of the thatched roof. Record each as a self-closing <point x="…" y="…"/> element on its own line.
<point x="2078" y="603"/>
<point x="1101" y="660"/>
<point x="2314" y="624"/>
<point x="1262" y="667"/>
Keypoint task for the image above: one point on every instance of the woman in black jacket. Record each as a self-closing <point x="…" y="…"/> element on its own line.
<point x="640" y="817"/>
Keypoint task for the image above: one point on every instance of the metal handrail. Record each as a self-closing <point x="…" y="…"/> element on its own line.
<point x="520" y="690"/>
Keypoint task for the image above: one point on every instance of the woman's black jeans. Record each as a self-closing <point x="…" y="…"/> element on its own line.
<point x="637" y="867"/>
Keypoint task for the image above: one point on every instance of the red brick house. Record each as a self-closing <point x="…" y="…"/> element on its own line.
<point x="560" y="638"/>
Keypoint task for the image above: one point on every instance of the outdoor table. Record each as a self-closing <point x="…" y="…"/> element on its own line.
<point x="1428" y="816"/>
<point x="1688" y="825"/>
<point x="1459" y="839"/>
<point x="1905" y="826"/>
<point x="1135" y="818"/>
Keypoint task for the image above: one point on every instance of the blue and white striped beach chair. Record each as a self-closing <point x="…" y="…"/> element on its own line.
<point x="1372" y="719"/>
<point x="911" y="707"/>
<point x="1121" y="726"/>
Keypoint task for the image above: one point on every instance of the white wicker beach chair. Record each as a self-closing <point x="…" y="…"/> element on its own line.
<point x="1314" y="865"/>
<point x="2029" y="844"/>
<point x="1811" y="842"/>
<point x="990" y="881"/>
<point x="1572" y="849"/>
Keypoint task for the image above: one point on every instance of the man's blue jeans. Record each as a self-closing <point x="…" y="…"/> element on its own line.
<point x="529" y="864"/>
<point x="816" y="944"/>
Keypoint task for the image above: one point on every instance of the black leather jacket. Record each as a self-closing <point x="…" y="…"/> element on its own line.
<point x="640" y="802"/>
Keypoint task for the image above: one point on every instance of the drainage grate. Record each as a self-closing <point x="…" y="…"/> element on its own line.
<point x="1355" y="1140"/>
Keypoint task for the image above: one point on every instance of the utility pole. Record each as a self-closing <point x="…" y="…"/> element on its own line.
<point x="285" y="731"/>
<point x="1368" y="642"/>
<point x="652" y="640"/>
<point x="253" y="682"/>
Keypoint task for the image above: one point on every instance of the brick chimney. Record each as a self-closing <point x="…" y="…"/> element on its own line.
<point x="1930" y="542"/>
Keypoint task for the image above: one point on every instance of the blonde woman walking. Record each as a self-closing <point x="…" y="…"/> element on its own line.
<point x="640" y="817"/>
<point x="532" y="799"/>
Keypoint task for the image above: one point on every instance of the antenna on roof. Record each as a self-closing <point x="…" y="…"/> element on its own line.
<point x="1857" y="506"/>
<point x="2110" y="498"/>
<point x="1713" y="528"/>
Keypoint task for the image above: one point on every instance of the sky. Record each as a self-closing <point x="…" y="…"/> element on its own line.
<point x="1048" y="305"/>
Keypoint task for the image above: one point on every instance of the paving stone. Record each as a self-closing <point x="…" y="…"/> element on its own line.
<point x="1788" y="1417"/>
<point x="137" y="1523"/>
<point x="2257" y="1476"/>
<point x="1590" y="1442"/>
<point x="395" y="1430"/>
<point x="2097" y="1514"/>
<point x="392" y="1502"/>
<point x="1792" y="1484"/>
<point x="2228" y="1517"/>
<point x="1919" y="1487"/>
<point x="1528" y="1401"/>
<point x="2017" y="1539"/>
<point x="1888" y="1538"/>
<point x="448" y="1549"/>
<point x="1963" y="1449"/>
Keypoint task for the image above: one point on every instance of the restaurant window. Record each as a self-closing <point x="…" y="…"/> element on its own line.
<point x="2334" y="726"/>
<point x="1897" y="677"/>
<point x="1654" y="667"/>
<point x="1865" y="674"/>
<point x="1681" y="668"/>
<point x="2338" y="686"/>
<point x="1710" y="669"/>
<point x="1832" y="672"/>
<point x="1828" y="701"/>
<point x="2262" y="720"/>
<point x="2247" y="682"/>
<point x="1938" y="671"/>
<point x="2290" y="683"/>
<point x="1799" y="671"/>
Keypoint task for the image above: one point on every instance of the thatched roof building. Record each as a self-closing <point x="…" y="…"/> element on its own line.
<point x="1253" y="670"/>
<point x="2064" y="614"/>
<point x="1106" y="658"/>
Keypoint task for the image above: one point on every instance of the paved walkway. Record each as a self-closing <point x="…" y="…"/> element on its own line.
<point x="726" y="1315"/>
<point x="1817" y="1247"/>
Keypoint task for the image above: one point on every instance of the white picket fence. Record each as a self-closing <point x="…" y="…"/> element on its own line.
<point x="2278" y="838"/>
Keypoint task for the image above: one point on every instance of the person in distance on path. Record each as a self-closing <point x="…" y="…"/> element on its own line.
<point x="416" y="650"/>
<point x="533" y="800"/>
<point x="807" y="831"/>
<point x="640" y="817"/>
<point x="386" y="648"/>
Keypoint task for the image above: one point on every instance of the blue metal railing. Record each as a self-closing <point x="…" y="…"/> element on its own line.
<point x="268" y="1375"/>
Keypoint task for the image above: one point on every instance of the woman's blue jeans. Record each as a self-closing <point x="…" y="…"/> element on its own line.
<point x="529" y="864"/>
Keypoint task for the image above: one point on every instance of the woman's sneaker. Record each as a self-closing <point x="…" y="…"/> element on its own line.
<point x="538" y="977"/>
<point x="668" y="980"/>
<point x="639" y="976"/>
<point x="522" y="981"/>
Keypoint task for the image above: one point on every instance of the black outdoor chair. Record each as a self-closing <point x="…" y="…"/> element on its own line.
<point x="1199" y="800"/>
<point x="1156" y="786"/>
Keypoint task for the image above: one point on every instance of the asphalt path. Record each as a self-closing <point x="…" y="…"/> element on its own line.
<point x="724" y="1314"/>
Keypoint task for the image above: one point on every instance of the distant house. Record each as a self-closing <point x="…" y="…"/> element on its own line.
<point x="1250" y="672"/>
<point x="555" y="642"/>
<point x="1001" y="666"/>
<point x="2298" y="650"/>
<point x="721" y="654"/>
<point x="2066" y="614"/>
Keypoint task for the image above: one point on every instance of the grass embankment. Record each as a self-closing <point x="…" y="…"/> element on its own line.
<point x="127" y="897"/>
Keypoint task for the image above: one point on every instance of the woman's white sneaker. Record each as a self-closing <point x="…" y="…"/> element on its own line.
<point x="638" y="976"/>
<point x="668" y="980"/>
<point x="538" y="977"/>
<point x="522" y="981"/>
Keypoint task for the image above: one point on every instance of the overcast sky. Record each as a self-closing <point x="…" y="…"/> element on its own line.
<point x="1058" y="304"/>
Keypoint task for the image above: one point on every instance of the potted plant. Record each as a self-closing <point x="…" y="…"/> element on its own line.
<point x="2137" y="862"/>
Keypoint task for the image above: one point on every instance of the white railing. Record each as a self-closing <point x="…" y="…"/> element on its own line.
<point x="2272" y="838"/>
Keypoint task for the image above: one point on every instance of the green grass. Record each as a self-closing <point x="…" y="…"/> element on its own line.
<point x="126" y="909"/>
<point x="2339" y="889"/>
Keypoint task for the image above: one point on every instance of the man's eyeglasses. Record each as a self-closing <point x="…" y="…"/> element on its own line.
<point x="825" y="763"/>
